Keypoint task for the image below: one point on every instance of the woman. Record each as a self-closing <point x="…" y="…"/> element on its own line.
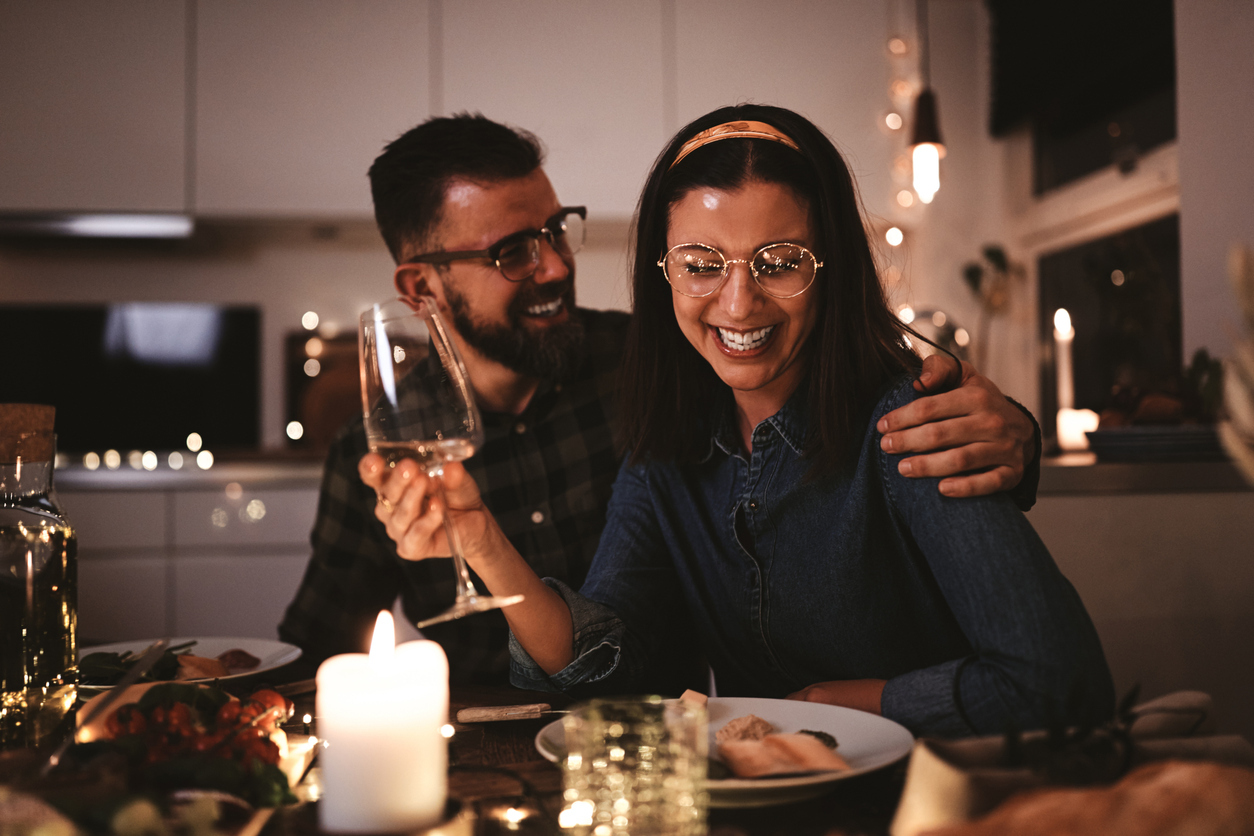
<point x="756" y="507"/>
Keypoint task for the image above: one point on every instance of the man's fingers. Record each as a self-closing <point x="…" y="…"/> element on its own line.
<point x="956" y="461"/>
<point x="939" y="372"/>
<point x="969" y="400"/>
<point x="980" y="484"/>
<point x="423" y="536"/>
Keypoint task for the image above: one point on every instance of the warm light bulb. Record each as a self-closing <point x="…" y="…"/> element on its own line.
<point x="1062" y="322"/>
<point x="894" y="237"/>
<point x="926" y="161"/>
<point x="309" y="320"/>
<point x="383" y="643"/>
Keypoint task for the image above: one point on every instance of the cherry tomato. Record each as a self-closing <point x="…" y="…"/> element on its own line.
<point x="126" y="720"/>
<point x="282" y="707"/>
<point x="228" y="714"/>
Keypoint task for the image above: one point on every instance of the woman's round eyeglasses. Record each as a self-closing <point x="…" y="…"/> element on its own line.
<point x="781" y="270"/>
<point x="517" y="256"/>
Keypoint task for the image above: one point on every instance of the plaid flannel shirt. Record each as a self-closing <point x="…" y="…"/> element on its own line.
<point x="546" y="476"/>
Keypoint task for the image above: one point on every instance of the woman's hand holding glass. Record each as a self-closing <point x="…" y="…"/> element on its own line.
<point x="413" y="512"/>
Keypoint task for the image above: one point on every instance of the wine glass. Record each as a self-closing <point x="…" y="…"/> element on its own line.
<point x="418" y="405"/>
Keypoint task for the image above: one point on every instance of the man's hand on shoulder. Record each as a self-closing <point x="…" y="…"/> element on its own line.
<point x="964" y="429"/>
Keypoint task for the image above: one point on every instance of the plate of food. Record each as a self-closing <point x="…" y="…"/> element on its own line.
<point x="789" y="749"/>
<point x="188" y="659"/>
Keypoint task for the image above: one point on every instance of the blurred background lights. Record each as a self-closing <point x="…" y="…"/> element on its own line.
<point x="1117" y="278"/>
<point x="398" y="354"/>
<point x="60" y="460"/>
<point x="309" y="320"/>
<point x="112" y="459"/>
<point x="312" y="367"/>
<point x="939" y="319"/>
<point x="194" y="442"/>
<point x="204" y="460"/>
<point x="894" y="236"/>
<point x="905" y="198"/>
<point x="897" y="46"/>
<point x="253" y="511"/>
<point x="135" y="459"/>
<point x="313" y="347"/>
<point x="234" y="490"/>
<point x="893" y="121"/>
<point x="219" y="518"/>
<point x="900" y="89"/>
<point x="446" y="730"/>
<point x="892" y="274"/>
<point x="906" y="314"/>
<point x="962" y="337"/>
<point x="295" y="430"/>
<point x="149" y="460"/>
<point x="175" y="460"/>
<point x="91" y="461"/>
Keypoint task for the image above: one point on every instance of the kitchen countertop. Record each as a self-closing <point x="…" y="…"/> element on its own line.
<point x="1080" y="473"/>
<point x="1076" y="473"/>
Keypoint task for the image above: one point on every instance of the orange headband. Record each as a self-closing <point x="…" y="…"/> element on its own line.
<point x="734" y="130"/>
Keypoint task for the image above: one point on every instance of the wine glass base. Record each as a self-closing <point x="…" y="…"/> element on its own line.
<point x="470" y="606"/>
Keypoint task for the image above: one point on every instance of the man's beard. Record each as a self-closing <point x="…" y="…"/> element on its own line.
<point x="550" y="352"/>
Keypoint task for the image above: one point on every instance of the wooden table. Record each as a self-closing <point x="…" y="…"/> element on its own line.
<point x="487" y="761"/>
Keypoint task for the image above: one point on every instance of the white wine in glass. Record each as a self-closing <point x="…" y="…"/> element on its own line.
<point x="419" y="405"/>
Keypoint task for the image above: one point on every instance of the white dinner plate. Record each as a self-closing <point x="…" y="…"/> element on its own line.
<point x="867" y="741"/>
<point x="273" y="654"/>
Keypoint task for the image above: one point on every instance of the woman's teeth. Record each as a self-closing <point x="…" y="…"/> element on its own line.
<point x="745" y="340"/>
<point x="545" y="310"/>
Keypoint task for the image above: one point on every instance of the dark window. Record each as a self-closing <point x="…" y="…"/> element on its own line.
<point x="1123" y="294"/>
<point x="1095" y="81"/>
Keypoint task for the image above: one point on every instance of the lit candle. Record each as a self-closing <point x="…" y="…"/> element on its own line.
<point x="1064" y="334"/>
<point x="385" y="765"/>
<point x="1072" y="426"/>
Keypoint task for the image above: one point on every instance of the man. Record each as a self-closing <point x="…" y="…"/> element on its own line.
<point x="471" y="218"/>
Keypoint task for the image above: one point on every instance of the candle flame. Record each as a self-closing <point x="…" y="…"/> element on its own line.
<point x="1062" y="322"/>
<point x="383" y="644"/>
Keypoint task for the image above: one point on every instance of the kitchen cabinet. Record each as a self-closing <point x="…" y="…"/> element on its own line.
<point x="212" y="553"/>
<point x="295" y="98"/>
<point x="93" y="105"/>
<point x="587" y="78"/>
<point x="1163" y="563"/>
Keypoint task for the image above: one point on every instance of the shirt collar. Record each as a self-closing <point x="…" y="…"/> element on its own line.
<point x="789" y="423"/>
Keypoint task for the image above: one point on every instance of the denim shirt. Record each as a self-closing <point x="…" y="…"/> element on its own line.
<point x="861" y="574"/>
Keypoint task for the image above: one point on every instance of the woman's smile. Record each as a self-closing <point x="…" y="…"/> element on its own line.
<point x="740" y="343"/>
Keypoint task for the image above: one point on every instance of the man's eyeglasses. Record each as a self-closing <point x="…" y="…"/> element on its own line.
<point x="781" y="270"/>
<point x="517" y="256"/>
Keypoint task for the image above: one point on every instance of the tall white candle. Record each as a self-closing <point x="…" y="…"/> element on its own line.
<point x="385" y="765"/>
<point x="1064" y="334"/>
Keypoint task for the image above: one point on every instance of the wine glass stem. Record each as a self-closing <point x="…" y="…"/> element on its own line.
<point x="465" y="589"/>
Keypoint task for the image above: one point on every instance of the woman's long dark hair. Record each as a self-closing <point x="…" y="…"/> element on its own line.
<point x="669" y="390"/>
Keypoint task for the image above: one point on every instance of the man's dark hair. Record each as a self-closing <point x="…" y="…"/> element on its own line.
<point x="409" y="179"/>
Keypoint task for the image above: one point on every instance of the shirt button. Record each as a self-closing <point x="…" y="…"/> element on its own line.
<point x="520" y="428"/>
<point x="537" y="517"/>
<point x="753" y="505"/>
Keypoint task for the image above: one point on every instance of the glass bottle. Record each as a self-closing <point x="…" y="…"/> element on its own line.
<point x="38" y="586"/>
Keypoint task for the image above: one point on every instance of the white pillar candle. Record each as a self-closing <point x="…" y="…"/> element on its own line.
<point x="385" y="765"/>
<point x="1064" y="334"/>
<point x="1072" y="426"/>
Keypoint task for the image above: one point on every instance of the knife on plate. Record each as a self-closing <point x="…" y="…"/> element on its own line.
<point x="496" y="713"/>
<point x="146" y="661"/>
